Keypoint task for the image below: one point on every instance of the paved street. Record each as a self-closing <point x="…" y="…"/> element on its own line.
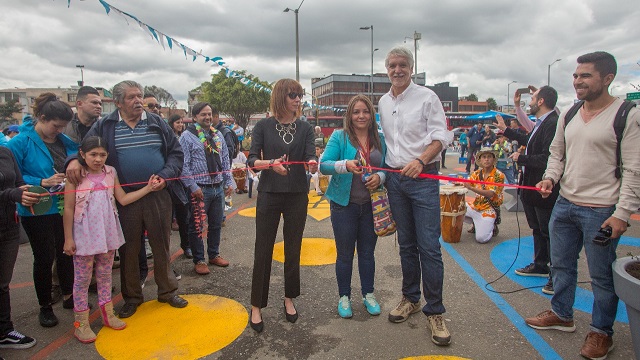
<point x="486" y="322"/>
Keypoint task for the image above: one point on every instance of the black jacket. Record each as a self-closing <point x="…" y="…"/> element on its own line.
<point x="535" y="161"/>
<point x="10" y="193"/>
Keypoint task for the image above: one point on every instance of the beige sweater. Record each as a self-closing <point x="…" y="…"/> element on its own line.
<point x="586" y="168"/>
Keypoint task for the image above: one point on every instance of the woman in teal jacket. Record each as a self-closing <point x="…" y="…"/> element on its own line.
<point x="349" y="193"/>
<point x="40" y="151"/>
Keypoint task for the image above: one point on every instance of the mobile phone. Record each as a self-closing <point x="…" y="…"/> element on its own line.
<point x="523" y="91"/>
<point x="603" y="237"/>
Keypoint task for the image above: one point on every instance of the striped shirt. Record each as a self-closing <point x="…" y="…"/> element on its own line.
<point x="139" y="151"/>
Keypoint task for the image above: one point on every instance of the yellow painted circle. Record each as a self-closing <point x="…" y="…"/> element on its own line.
<point x="159" y="331"/>
<point x="249" y="212"/>
<point x="315" y="251"/>
<point x="435" y="357"/>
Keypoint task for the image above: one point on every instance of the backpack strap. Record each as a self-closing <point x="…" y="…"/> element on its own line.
<point x="572" y="112"/>
<point x="619" y="124"/>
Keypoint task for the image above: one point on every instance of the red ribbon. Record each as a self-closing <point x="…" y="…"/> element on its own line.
<point x="369" y="168"/>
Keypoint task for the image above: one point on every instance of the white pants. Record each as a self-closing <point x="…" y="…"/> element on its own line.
<point x="483" y="225"/>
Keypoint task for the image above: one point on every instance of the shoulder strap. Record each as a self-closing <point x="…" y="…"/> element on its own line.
<point x="572" y="112"/>
<point x="619" y="124"/>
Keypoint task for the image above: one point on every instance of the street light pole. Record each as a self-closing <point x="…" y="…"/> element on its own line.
<point x="81" y="74"/>
<point x="416" y="36"/>
<point x="549" y="71"/>
<point x="370" y="27"/>
<point x="509" y="93"/>
<point x="297" y="41"/>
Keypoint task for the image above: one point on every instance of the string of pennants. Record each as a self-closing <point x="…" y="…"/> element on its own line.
<point x="171" y="42"/>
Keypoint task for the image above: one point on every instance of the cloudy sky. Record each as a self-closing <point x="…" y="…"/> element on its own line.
<point x="479" y="46"/>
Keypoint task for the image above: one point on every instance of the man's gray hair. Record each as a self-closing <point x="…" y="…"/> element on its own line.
<point x="120" y="89"/>
<point x="402" y="52"/>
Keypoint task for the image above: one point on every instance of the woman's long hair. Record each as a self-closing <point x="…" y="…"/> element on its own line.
<point x="374" y="137"/>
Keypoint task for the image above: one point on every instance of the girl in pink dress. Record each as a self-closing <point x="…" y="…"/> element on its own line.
<point x="92" y="232"/>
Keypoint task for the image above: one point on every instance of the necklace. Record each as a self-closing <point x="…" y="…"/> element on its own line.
<point x="205" y="141"/>
<point x="286" y="131"/>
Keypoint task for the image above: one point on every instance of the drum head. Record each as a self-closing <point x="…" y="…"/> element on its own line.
<point x="45" y="203"/>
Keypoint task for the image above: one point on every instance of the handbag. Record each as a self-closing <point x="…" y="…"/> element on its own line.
<point x="383" y="223"/>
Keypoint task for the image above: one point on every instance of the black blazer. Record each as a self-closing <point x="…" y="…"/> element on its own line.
<point x="535" y="161"/>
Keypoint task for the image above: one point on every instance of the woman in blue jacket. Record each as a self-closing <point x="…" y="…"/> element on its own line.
<point x="40" y="151"/>
<point x="349" y="192"/>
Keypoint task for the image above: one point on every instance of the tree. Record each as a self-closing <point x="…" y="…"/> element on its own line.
<point x="163" y="96"/>
<point x="7" y="110"/>
<point x="232" y="97"/>
<point x="472" y="97"/>
<point x="492" y="104"/>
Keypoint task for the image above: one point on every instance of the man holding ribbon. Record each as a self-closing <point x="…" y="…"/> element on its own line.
<point x="414" y="126"/>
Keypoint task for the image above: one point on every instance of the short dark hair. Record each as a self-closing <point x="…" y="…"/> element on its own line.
<point x="172" y="119"/>
<point x="550" y="96"/>
<point x="197" y="108"/>
<point x="86" y="90"/>
<point x="149" y="95"/>
<point x="604" y="62"/>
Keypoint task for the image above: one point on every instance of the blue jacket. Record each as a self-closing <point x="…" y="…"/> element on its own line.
<point x="475" y="135"/>
<point x="34" y="160"/>
<point x="339" y="149"/>
<point x="171" y="149"/>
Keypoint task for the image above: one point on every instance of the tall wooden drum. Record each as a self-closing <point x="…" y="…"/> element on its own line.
<point x="239" y="172"/>
<point x="452" y="210"/>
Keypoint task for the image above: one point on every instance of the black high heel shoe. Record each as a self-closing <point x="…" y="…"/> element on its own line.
<point x="258" y="327"/>
<point x="290" y="318"/>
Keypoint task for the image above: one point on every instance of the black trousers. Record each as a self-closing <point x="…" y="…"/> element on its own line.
<point x="46" y="235"/>
<point x="9" y="244"/>
<point x="293" y="207"/>
<point x="538" y="220"/>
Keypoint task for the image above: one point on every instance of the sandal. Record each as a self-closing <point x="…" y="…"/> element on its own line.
<point x="472" y="230"/>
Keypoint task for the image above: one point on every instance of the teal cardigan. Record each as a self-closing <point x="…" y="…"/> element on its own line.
<point x="339" y="150"/>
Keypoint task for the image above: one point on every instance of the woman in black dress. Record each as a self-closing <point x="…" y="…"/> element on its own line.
<point x="283" y="190"/>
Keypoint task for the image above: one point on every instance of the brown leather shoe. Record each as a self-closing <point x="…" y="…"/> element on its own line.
<point x="547" y="320"/>
<point x="219" y="261"/>
<point x="201" y="268"/>
<point x="596" y="346"/>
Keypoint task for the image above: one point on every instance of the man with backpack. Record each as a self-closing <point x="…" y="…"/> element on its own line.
<point x="598" y="174"/>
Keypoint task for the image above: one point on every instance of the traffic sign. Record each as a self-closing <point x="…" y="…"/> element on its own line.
<point x="633" y="96"/>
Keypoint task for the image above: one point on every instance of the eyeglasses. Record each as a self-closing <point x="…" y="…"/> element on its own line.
<point x="293" y="95"/>
<point x="157" y="106"/>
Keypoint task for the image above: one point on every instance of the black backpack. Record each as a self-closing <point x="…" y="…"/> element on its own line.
<point x="236" y="142"/>
<point x="619" y="124"/>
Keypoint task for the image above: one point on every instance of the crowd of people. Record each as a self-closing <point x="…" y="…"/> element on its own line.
<point x="118" y="175"/>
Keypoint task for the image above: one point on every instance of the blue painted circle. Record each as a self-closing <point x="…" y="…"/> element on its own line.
<point x="503" y="254"/>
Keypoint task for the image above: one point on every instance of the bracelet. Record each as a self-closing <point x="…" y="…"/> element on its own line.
<point x="271" y="162"/>
<point x="421" y="162"/>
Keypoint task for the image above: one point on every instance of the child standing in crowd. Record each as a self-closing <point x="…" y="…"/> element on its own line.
<point x="93" y="233"/>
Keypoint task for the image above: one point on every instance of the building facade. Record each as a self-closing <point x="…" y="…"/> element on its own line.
<point x="335" y="91"/>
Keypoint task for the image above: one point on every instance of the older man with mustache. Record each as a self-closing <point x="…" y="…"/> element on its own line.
<point x="140" y="144"/>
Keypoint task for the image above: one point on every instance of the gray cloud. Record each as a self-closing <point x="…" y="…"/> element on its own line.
<point x="478" y="46"/>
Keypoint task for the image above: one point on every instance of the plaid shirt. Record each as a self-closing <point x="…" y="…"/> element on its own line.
<point x="195" y="163"/>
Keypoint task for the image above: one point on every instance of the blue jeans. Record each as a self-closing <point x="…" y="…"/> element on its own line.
<point x="415" y="204"/>
<point x="214" y="208"/>
<point x="353" y="227"/>
<point x="572" y="227"/>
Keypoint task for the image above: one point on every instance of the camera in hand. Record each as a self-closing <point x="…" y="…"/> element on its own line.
<point x="603" y="237"/>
